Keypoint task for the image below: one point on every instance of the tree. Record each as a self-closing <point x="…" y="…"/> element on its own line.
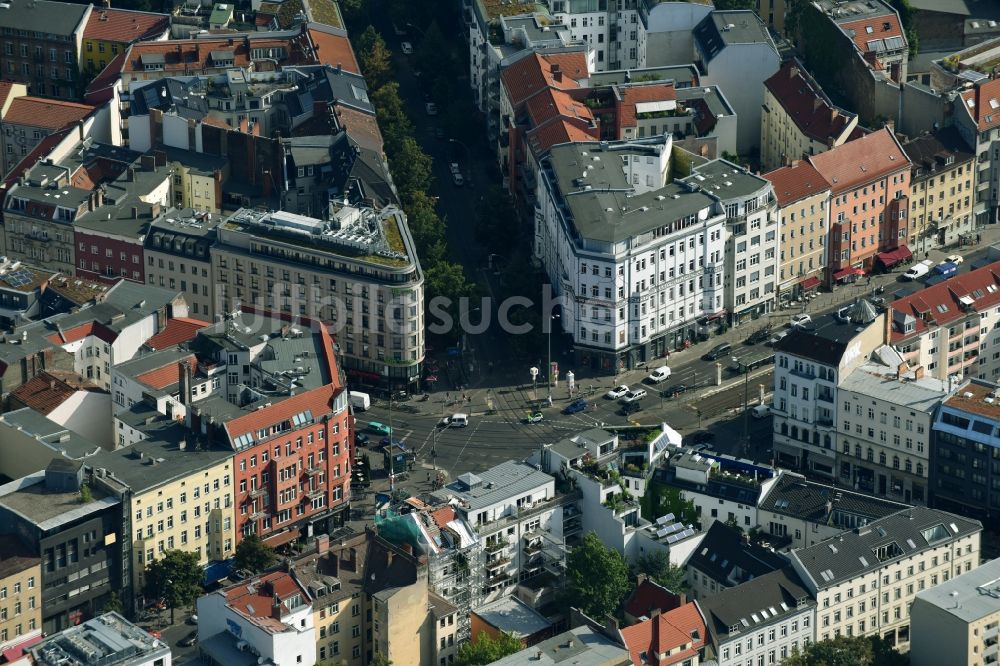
<point x="380" y="659"/>
<point x="375" y="58"/>
<point x="86" y="495"/>
<point x="176" y="577"/>
<point x="113" y="604"/>
<point x="847" y="651"/>
<point x="657" y="566"/>
<point x="486" y="649"/>
<point x="254" y="555"/>
<point x="392" y="118"/>
<point x="597" y="578"/>
<point x="729" y="5"/>
<point x="410" y="167"/>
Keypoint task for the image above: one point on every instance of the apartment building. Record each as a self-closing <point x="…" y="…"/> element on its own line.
<point x="109" y="31"/>
<point x="177" y="251"/>
<point x="269" y="615"/>
<point x="865" y="580"/>
<point x="83" y="560"/>
<point x="860" y="48"/>
<point x="979" y="125"/>
<point x="799" y="119"/>
<point x="941" y="196"/>
<point x="958" y="621"/>
<point x="358" y="271"/>
<point x="41" y="46"/>
<point x="797" y="512"/>
<point x="673" y="638"/>
<point x="965" y="472"/>
<point x="723" y="560"/>
<point x="21" y="584"/>
<point x="108" y="638"/>
<point x="198" y="179"/>
<point x="803" y="208"/>
<point x="773" y="12"/>
<point x="9" y="91"/>
<point x="512" y="509"/>
<point x="950" y="329"/>
<point x="809" y="365"/>
<point x="648" y="256"/>
<point x="735" y="51"/>
<point x="334" y="575"/>
<point x="583" y="644"/>
<point x="763" y="620"/>
<point x="752" y="236"/>
<point x="869" y="181"/>
<point x="179" y="493"/>
<point x="27" y="120"/>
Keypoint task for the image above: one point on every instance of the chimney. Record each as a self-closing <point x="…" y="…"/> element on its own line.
<point x="887" y="326"/>
<point x="682" y="598"/>
<point x="322" y="544"/>
<point x="131" y="174"/>
<point x="796" y="163"/>
<point x="340" y="68"/>
<point x="793" y="71"/>
<point x="918" y="372"/>
<point x="135" y="212"/>
<point x="556" y="73"/>
<point x="654" y="613"/>
<point x="185" y="381"/>
<point x="80" y="130"/>
<point x="160" y="158"/>
<point x="817" y="102"/>
<point x="276" y="607"/>
<point x="902" y="369"/>
<point x="148" y="162"/>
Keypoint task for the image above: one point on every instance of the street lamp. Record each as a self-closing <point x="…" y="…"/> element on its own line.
<point x="548" y="370"/>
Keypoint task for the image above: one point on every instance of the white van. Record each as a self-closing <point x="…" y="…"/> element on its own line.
<point x="658" y="375"/>
<point x="360" y="401"/>
<point x="454" y="421"/>
<point x="761" y="411"/>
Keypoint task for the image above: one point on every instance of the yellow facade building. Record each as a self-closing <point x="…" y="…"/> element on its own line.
<point x="941" y="184"/>
<point x="20" y="593"/>
<point x="109" y="32"/>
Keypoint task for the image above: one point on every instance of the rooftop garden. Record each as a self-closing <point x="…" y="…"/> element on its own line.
<point x="288" y="11"/>
<point x="326" y="11"/>
<point x="497" y="8"/>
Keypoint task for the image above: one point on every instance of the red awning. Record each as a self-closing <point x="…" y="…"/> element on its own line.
<point x="809" y="283"/>
<point x="17" y="651"/>
<point x="893" y="257"/>
<point x="282" y="538"/>
<point x="843" y="273"/>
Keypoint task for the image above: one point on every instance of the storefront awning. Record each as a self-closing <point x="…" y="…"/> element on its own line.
<point x="215" y="571"/>
<point x="282" y="538"/>
<point x="893" y="257"/>
<point x="809" y="283"/>
<point x="843" y="273"/>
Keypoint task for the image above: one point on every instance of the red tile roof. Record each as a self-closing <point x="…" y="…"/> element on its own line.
<point x="254" y="597"/>
<point x="318" y="401"/>
<point x="882" y="27"/>
<point x="193" y="56"/>
<point x="806" y="105"/>
<point x="124" y="26"/>
<point x="647" y="641"/>
<point x="861" y="161"/>
<point x="557" y="131"/>
<point x="167" y="375"/>
<point x="177" y="330"/>
<point x="553" y="102"/>
<point x="83" y="331"/>
<point x="443" y="516"/>
<point x="101" y="89"/>
<point x="533" y="74"/>
<point x="649" y="596"/>
<point x="636" y="94"/>
<point x="332" y="47"/>
<point x="48" y="390"/>
<point x="50" y="114"/>
<point x="983" y="104"/>
<point x="981" y="285"/>
<point x="796" y="182"/>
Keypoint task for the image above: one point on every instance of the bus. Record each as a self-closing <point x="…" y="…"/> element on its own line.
<point x="751" y="361"/>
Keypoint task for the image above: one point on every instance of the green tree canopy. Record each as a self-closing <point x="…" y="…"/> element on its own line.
<point x="597" y="578"/>
<point x="847" y="651"/>
<point x="380" y="659"/>
<point x="486" y="649"/>
<point x="392" y="118"/>
<point x="254" y="555"/>
<point x="176" y="578"/>
<point x="410" y="167"/>
<point x="657" y="566"/>
<point x="375" y="58"/>
<point x="113" y="604"/>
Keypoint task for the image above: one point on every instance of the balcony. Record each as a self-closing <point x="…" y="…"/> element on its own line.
<point x="258" y="514"/>
<point x="517" y="515"/>
<point x="496" y="546"/>
<point x="497" y="563"/>
<point x="257" y="492"/>
<point x="825" y="397"/>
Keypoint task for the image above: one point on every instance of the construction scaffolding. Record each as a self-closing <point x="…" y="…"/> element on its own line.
<point x="455" y="574"/>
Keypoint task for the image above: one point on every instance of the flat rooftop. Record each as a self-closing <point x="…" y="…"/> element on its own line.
<point x="49" y="509"/>
<point x="511" y="615"/>
<point x="105" y="640"/>
<point x="727" y="180"/>
<point x="972" y="596"/>
<point x="977" y="397"/>
<point x="494" y="485"/>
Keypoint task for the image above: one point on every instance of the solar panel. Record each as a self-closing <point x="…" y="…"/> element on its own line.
<point x="669" y="516"/>
<point x="663" y="520"/>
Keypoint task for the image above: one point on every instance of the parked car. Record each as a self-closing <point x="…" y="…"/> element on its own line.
<point x="575" y="406"/>
<point x="956" y="259"/>
<point x="758" y="336"/>
<point x="457" y="179"/>
<point x="386" y="441"/>
<point x="431" y="108"/>
<point x="406" y="48"/>
<point x="454" y="421"/>
<point x="453" y="167"/>
<point x="659" y="375"/>
<point x="700" y="437"/>
<point x="946" y="269"/>
<point x="675" y="390"/>
<point x="533" y="417"/>
<point x="361" y="439"/>
<point x="630" y="408"/>
<point x="717" y="352"/>
<point x="189" y="640"/>
<point x="761" y="411"/>
<point x="617" y="392"/>
<point x="192" y="619"/>
<point x="778" y="337"/>
<point x="916" y="271"/>
<point x="634" y="395"/>
<point x="800" y="321"/>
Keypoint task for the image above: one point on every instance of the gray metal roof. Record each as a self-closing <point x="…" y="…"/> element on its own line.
<point x="609" y="211"/>
<point x="723" y="556"/>
<point x="511" y="615"/>
<point x="773" y="597"/>
<point x="794" y="495"/>
<point x="727" y="180"/>
<point x="61" y="440"/>
<point x="969" y="597"/>
<point x="877" y="381"/>
<point x="682" y="75"/>
<point x="581" y="646"/>
<point x="151" y="361"/>
<point x="54" y="18"/>
<point x="726" y="28"/>
<point x="903" y="534"/>
<point x="494" y="485"/>
<point x="50" y="509"/>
